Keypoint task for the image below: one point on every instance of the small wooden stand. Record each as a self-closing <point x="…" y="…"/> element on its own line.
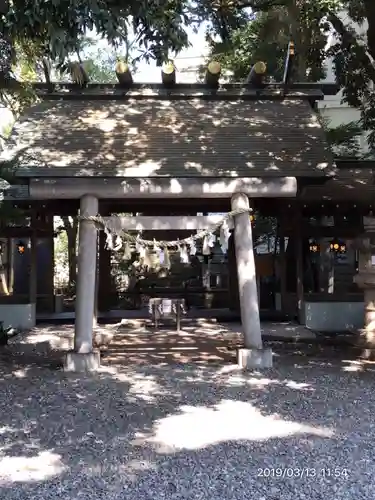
<point x="165" y="308"/>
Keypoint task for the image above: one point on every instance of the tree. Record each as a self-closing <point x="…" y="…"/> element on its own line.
<point x="69" y="245"/>
<point x="30" y="65"/>
<point x="354" y="55"/>
<point x="265" y="37"/>
<point x="57" y="26"/>
<point x="354" y="63"/>
<point x="344" y="139"/>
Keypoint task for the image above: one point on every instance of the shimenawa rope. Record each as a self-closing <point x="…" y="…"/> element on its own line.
<point x="101" y="223"/>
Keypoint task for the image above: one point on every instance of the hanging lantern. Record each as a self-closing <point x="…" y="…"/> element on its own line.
<point x="21" y="247"/>
<point x="337" y="246"/>
<point x="314" y="247"/>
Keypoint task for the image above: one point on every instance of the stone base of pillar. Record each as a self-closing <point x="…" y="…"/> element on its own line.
<point x="366" y="341"/>
<point x="368" y="354"/>
<point x="252" y="359"/>
<point x="77" y="362"/>
<point x="366" y="338"/>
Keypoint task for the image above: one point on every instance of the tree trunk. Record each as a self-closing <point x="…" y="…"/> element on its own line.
<point x="300" y="68"/>
<point x="71" y="228"/>
<point x="370" y="14"/>
<point x="46" y="69"/>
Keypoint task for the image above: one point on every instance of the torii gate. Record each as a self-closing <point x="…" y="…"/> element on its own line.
<point x="89" y="191"/>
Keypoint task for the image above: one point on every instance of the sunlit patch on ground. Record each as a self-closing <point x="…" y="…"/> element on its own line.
<point x="148" y="426"/>
<point x="38" y="468"/>
<point x="199" y="427"/>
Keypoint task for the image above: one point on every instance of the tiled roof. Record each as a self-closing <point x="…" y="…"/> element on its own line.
<point x="178" y="138"/>
<point x="354" y="184"/>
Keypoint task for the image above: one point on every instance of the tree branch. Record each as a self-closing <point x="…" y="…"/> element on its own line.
<point x="263" y="5"/>
<point x="370" y="15"/>
<point x="348" y="39"/>
<point x="46" y="70"/>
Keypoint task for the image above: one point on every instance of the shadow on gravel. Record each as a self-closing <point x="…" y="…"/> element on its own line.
<point x="189" y="430"/>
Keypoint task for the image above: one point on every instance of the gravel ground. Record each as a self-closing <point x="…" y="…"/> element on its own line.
<point x="304" y="429"/>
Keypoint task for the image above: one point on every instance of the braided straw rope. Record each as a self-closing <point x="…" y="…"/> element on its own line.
<point x="101" y="224"/>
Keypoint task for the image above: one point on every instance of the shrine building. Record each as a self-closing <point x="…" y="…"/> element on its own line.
<point x="169" y="159"/>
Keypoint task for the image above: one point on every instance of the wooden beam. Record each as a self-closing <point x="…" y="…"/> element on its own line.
<point x="326" y="88"/>
<point x="172" y="94"/>
<point x="162" y="187"/>
<point x="330" y="232"/>
<point x="105" y="279"/>
<point x="24" y="232"/>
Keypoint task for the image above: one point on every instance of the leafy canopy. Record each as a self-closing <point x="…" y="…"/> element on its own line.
<point x="57" y="24"/>
<point x="55" y="27"/>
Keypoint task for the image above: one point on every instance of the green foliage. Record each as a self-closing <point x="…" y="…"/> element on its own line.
<point x="307" y="23"/>
<point x="355" y="68"/>
<point x="61" y="247"/>
<point x="344" y="139"/>
<point x="100" y="65"/>
<point x="58" y="24"/>
<point x="99" y="73"/>
<point x="244" y="48"/>
<point x="19" y="98"/>
<point x="265" y="37"/>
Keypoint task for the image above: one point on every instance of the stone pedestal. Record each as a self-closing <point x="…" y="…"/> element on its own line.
<point x="82" y="362"/>
<point x="367" y="335"/>
<point x="251" y="359"/>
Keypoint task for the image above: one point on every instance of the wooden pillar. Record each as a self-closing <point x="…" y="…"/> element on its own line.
<point x="247" y="284"/>
<point x="234" y="298"/>
<point x="105" y="282"/>
<point x="11" y="250"/>
<point x="33" y="276"/>
<point x="96" y="298"/>
<point x="51" y="263"/>
<point x="282" y="266"/>
<point x="87" y="256"/>
<point x="95" y="315"/>
<point x="299" y="264"/>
